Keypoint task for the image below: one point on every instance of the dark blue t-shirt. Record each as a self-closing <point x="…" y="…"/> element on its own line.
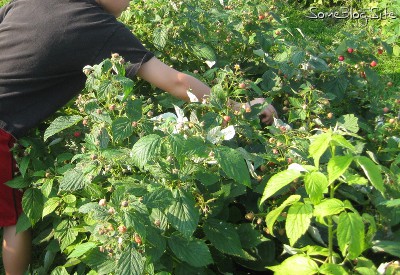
<point x="44" y="45"/>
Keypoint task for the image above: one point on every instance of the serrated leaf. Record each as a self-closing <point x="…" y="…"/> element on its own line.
<point x="337" y="165"/>
<point x="224" y="237"/>
<point x="59" y="124"/>
<point x="318" y="64"/>
<point x="233" y="164"/>
<point x="23" y="223"/>
<point x="18" y="183"/>
<point x="99" y="261"/>
<point x="159" y="198"/>
<point x="134" y="109"/>
<point x="81" y="249"/>
<point x="126" y="83"/>
<point x="332" y="269"/>
<point x="183" y="214"/>
<point x="298" y="220"/>
<point x="372" y="171"/>
<point x="350" y="235"/>
<point x="318" y="146"/>
<point x="131" y="262"/>
<point x="337" y="86"/>
<point x="121" y="128"/>
<point x="316" y="184"/>
<point x="65" y="233"/>
<point x="339" y="140"/>
<point x="137" y="221"/>
<point x="194" y="252"/>
<point x="390" y="247"/>
<point x="73" y="180"/>
<point x="146" y="148"/>
<point x="105" y="88"/>
<point x="278" y="181"/>
<point x="204" y="51"/>
<point x="297" y="264"/>
<point x="273" y="215"/>
<point x="50" y="205"/>
<point x="160" y="37"/>
<point x="32" y="204"/>
<point x="329" y="207"/>
<point x="349" y="122"/>
<point x="59" y="270"/>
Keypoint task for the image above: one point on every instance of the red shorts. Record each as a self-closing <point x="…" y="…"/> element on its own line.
<point x="10" y="199"/>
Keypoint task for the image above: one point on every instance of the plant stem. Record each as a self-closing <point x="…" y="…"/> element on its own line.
<point x="330" y="222"/>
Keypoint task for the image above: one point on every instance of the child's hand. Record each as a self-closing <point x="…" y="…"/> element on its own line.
<point x="268" y="114"/>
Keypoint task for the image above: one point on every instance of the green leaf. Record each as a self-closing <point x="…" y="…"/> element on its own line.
<point x="106" y="87"/>
<point x="332" y="269"/>
<point x="23" y="223"/>
<point x="131" y="262"/>
<point x="50" y="205"/>
<point x="32" y="204"/>
<point x="391" y="203"/>
<point x="59" y="270"/>
<point x="137" y="221"/>
<point x="134" y="109"/>
<point x="298" y="220"/>
<point x="99" y="261"/>
<point x="160" y="37"/>
<point x="316" y="184"/>
<point x="297" y="264"/>
<point x="273" y="215"/>
<point x="224" y="237"/>
<point x="145" y="149"/>
<point x="65" y="233"/>
<point x="372" y="171"/>
<point x="183" y="214"/>
<point x="18" y="183"/>
<point x="337" y="86"/>
<point x="194" y="252"/>
<point x="350" y="234"/>
<point x="233" y="164"/>
<point x="127" y="84"/>
<point x="121" y="128"/>
<point x="337" y="165"/>
<point x="329" y="207"/>
<point x="81" y="249"/>
<point x="340" y="140"/>
<point x="278" y="181"/>
<point x="390" y="247"/>
<point x="318" y="146"/>
<point x="318" y="64"/>
<point x="73" y="180"/>
<point x="61" y="123"/>
<point x="155" y="243"/>
<point x="204" y="51"/>
<point x="349" y="122"/>
<point x="159" y="198"/>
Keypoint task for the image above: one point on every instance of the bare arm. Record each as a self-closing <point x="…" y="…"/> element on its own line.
<point x="177" y="84"/>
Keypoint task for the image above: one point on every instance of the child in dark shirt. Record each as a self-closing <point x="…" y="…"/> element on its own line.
<point x="44" y="44"/>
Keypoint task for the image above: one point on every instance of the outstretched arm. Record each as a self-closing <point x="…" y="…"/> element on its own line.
<point x="177" y="84"/>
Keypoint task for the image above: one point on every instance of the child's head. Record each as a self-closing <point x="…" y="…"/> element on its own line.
<point x="115" y="7"/>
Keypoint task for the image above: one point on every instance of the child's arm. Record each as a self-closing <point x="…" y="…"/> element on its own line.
<point x="177" y="84"/>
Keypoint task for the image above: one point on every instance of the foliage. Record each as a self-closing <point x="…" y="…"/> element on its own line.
<point x="127" y="180"/>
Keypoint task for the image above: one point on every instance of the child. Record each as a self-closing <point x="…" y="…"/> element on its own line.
<point x="44" y="44"/>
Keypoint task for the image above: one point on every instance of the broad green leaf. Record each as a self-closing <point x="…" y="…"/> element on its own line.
<point x="391" y="203"/>
<point x="121" y="128"/>
<point x="195" y="252"/>
<point x="146" y="148"/>
<point x="350" y="234"/>
<point x="23" y="223"/>
<point x="50" y="205"/>
<point x="297" y="264"/>
<point x="337" y="165"/>
<point x="224" y="237"/>
<point x="316" y="184"/>
<point x="160" y="37"/>
<point x="204" y="51"/>
<point x="81" y="249"/>
<point x="318" y="64"/>
<point x="298" y="220"/>
<point x="233" y="164"/>
<point x="32" y="204"/>
<point x="155" y="243"/>
<point x="250" y="237"/>
<point x="138" y="221"/>
<point x="372" y="171"/>
<point x="73" y="180"/>
<point x="99" y="262"/>
<point x="134" y="109"/>
<point x="183" y="214"/>
<point x="278" y="181"/>
<point x="105" y="88"/>
<point x="23" y="165"/>
<point x="390" y="247"/>
<point x="329" y="207"/>
<point x="273" y="215"/>
<point x="318" y="146"/>
<point x="159" y="198"/>
<point x="59" y="124"/>
<point x="332" y="269"/>
<point x="126" y="83"/>
<point x="59" y="270"/>
<point x="18" y="183"/>
<point x="337" y="86"/>
<point x="349" y="122"/>
<point x="65" y="233"/>
<point x="340" y="140"/>
<point x="131" y="262"/>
